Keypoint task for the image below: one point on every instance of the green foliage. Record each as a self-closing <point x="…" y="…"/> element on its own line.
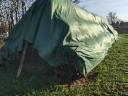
<point x="112" y="79"/>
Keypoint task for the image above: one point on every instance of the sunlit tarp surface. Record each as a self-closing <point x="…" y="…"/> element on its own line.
<point x="58" y="29"/>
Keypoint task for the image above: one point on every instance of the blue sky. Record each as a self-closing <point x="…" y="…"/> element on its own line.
<point x="103" y="7"/>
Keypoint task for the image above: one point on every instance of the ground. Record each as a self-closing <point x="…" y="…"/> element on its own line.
<point x="111" y="78"/>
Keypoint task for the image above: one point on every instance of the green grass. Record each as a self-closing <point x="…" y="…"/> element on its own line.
<point x="112" y="78"/>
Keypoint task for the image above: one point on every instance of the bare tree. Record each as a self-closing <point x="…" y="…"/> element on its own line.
<point x="112" y="18"/>
<point x="11" y="11"/>
<point x="76" y="1"/>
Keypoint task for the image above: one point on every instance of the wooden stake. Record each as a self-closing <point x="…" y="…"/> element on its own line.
<point x="22" y="60"/>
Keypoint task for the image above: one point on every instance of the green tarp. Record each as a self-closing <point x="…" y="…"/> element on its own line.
<point x="58" y="29"/>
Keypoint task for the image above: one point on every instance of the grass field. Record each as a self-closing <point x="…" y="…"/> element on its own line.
<point x="112" y="78"/>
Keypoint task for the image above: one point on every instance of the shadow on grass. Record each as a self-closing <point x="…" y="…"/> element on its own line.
<point x="26" y="83"/>
<point x="36" y="75"/>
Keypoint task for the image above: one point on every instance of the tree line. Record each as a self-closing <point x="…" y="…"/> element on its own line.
<point x="11" y="11"/>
